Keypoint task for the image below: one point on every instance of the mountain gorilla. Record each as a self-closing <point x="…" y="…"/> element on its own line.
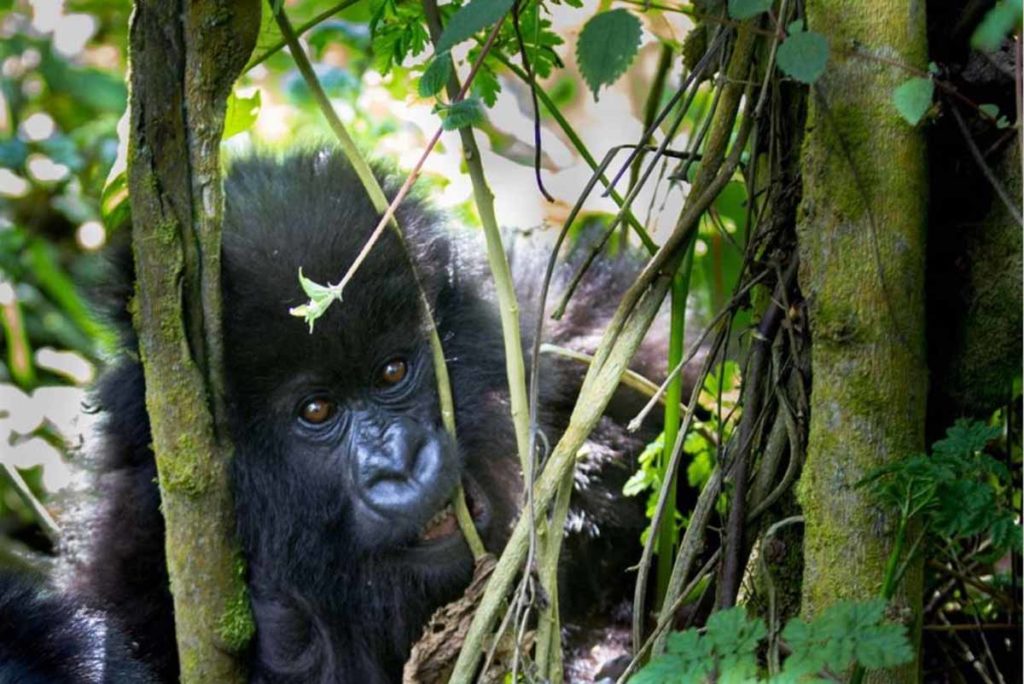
<point x="342" y="471"/>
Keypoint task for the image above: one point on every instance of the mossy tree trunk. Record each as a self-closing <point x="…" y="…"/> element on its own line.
<point x="185" y="56"/>
<point x="862" y="246"/>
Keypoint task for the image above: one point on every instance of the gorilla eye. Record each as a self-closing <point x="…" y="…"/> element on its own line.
<point x="317" y="411"/>
<point x="393" y="372"/>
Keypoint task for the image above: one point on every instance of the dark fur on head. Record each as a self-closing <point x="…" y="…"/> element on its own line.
<point x="339" y="596"/>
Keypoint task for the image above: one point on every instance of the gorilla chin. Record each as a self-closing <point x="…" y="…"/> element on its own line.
<point x="343" y="473"/>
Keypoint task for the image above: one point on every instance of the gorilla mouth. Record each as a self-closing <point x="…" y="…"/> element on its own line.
<point x="444" y="524"/>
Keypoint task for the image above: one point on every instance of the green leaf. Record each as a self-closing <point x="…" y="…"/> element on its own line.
<point x="485" y="85"/>
<point x="744" y="9"/>
<point x="470" y="18"/>
<point x="803" y="55"/>
<point x="436" y="75"/>
<point x="997" y="23"/>
<point x="989" y="110"/>
<point x="966" y="437"/>
<point x="114" y="208"/>
<point x="269" y="37"/>
<point x="607" y="46"/>
<point x="320" y="298"/>
<point x="461" y="114"/>
<point x="913" y="98"/>
<point x="315" y="290"/>
<point x="845" y="633"/>
<point x="241" y="114"/>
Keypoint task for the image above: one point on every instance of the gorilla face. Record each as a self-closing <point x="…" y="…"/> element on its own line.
<point x="342" y="470"/>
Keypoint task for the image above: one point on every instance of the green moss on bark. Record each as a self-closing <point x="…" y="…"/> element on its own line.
<point x="862" y="244"/>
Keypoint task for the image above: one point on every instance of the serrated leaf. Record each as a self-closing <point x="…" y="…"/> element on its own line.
<point x="607" y="46"/>
<point x="744" y="9"/>
<point x="241" y="114"/>
<point x="803" y="55"/>
<point x="638" y="482"/>
<point x="461" y="114"/>
<point x="882" y="646"/>
<point x="436" y="75"/>
<point x="997" y="23"/>
<point x="472" y="17"/>
<point x="486" y="86"/>
<point x="913" y="98"/>
<point x="965" y="437"/>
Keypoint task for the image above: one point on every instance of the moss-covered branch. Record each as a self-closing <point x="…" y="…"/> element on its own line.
<point x="185" y="57"/>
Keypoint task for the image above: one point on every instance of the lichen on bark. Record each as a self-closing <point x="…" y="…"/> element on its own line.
<point x="185" y="57"/>
<point x="862" y="236"/>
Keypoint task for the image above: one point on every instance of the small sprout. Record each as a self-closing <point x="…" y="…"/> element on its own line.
<point x="320" y="298"/>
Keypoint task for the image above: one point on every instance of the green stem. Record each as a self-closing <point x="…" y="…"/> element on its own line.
<point x="673" y="397"/>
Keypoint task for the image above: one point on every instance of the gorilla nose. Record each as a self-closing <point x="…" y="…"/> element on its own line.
<point x="400" y="469"/>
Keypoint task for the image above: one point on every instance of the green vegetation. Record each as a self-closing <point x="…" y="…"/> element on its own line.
<point x="829" y="203"/>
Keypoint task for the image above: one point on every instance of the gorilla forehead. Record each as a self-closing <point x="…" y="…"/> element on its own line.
<point x="320" y="225"/>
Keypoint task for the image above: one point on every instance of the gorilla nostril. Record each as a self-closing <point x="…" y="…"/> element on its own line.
<point x="403" y="475"/>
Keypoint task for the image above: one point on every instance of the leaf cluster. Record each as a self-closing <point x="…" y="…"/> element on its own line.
<point x="956" y="491"/>
<point x="724" y="383"/>
<point x="846" y="634"/>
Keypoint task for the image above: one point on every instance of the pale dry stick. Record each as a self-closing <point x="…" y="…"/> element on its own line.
<point x="416" y="170"/>
<point x="599" y="385"/>
<point x="622" y="338"/>
<point x="701" y="509"/>
<point x="39" y="512"/>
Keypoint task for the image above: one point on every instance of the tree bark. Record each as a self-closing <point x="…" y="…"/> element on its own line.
<point x="862" y="240"/>
<point x="185" y="56"/>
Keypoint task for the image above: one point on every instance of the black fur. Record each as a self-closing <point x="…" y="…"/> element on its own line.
<point x="338" y="595"/>
<point x="46" y="638"/>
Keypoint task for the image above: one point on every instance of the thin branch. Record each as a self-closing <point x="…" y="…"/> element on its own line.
<point x="1011" y="206"/>
<point x="379" y="200"/>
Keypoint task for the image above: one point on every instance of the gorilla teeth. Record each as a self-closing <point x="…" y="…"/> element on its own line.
<point x="441" y="525"/>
